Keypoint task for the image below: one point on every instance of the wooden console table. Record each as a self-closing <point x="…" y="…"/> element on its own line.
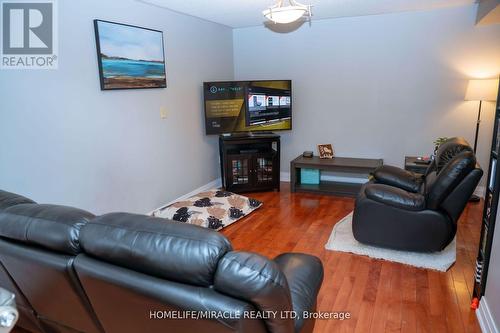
<point x="361" y="166"/>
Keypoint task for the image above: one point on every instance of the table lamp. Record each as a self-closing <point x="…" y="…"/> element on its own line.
<point x="480" y="90"/>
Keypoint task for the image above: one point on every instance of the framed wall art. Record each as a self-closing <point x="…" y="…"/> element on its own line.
<point x="129" y="57"/>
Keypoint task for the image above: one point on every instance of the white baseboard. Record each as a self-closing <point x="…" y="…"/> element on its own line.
<point x="216" y="183"/>
<point x="285" y="177"/>
<point x="484" y="317"/>
<point x="480" y="191"/>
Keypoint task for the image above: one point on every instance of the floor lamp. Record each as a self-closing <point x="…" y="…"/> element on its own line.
<point x="480" y="90"/>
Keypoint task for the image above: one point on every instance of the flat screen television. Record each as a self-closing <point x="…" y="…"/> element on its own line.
<point x="247" y="106"/>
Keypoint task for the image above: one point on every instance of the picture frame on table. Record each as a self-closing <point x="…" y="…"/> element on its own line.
<point x="326" y="151"/>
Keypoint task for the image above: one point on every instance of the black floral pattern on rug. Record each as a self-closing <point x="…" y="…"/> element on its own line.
<point x="235" y="213"/>
<point x="203" y="202"/>
<point x="214" y="223"/>
<point x="214" y="209"/>
<point x="182" y="214"/>
<point x="222" y="194"/>
<point x="254" y="203"/>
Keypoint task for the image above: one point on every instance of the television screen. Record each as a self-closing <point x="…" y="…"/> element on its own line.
<point x="244" y="106"/>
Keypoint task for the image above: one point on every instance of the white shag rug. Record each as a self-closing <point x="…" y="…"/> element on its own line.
<point x="343" y="240"/>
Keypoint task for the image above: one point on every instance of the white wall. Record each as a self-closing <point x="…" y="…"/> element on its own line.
<point x="63" y="140"/>
<point x="377" y="86"/>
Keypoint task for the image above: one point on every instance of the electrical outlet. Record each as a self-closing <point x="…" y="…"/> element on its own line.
<point x="163" y="112"/>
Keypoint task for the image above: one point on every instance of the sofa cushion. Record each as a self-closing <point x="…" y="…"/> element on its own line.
<point x="53" y="227"/>
<point x="165" y="249"/>
<point x="8" y="199"/>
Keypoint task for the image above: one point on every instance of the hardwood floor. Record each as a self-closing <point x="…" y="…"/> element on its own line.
<point x="381" y="296"/>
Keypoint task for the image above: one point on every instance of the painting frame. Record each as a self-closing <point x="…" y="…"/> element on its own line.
<point x="325" y="151"/>
<point x="102" y="76"/>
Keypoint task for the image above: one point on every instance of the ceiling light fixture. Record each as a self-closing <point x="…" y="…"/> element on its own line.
<point x="287" y="14"/>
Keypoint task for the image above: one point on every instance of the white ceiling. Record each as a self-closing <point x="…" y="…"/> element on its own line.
<point x="244" y="13"/>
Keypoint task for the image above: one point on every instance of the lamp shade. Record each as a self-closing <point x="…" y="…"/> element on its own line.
<point x="285" y="15"/>
<point x="482" y="90"/>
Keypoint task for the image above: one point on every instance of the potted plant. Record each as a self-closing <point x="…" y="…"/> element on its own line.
<point x="438" y="143"/>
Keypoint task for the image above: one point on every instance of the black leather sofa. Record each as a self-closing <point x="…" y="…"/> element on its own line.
<point x="119" y="273"/>
<point x="401" y="210"/>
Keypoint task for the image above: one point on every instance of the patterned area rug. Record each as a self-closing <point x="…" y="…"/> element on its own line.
<point x="214" y="209"/>
<point x="342" y="240"/>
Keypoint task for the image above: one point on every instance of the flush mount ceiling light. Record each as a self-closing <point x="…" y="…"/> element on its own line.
<point x="287" y="14"/>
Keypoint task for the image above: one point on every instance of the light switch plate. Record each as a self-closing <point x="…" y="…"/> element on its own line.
<point x="163" y="112"/>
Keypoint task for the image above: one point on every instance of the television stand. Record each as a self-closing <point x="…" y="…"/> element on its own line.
<point x="250" y="162"/>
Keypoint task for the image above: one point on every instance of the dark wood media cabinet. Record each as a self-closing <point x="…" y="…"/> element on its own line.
<point x="361" y="166"/>
<point x="250" y="162"/>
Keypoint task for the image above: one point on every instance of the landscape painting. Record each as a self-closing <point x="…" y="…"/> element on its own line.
<point x="129" y="57"/>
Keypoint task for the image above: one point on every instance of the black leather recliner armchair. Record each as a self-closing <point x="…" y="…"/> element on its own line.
<point x="119" y="273"/>
<point x="401" y="210"/>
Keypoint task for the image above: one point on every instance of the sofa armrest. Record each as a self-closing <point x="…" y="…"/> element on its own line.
<point x="259" y="281"/>
<point x="390" y="175"/>
<point x="304" y="274"/>
<point x="396" y="197"/>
